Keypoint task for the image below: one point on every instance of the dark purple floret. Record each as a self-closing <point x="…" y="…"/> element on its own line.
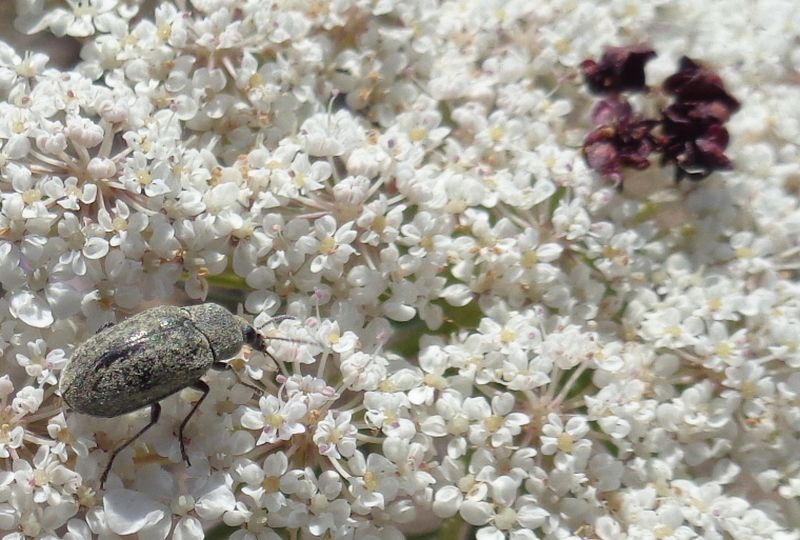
<point x="693" y="135"/>
<point x="696" y="83"/>
<point x="620" y="69"/>
<point x="622" y="139"/>
<point x="692" y="141"/>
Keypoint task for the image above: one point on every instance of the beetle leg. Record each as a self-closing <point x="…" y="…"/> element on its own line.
<point x="203" y="387"/>
<point x="104" y="326"/>
<point x="155" y="412"/>
<point x="223" y="366"/>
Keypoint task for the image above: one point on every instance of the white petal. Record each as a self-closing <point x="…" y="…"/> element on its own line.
<point x="188" y="528"/>
<point x="549" y="252"/>
<point x="447" y="501"/>
<point x="522" y="534"/>
<point x="457" y="295"/>
<point x="128" y="512"/>
<point x="8" y="517"/>
<point x="159" y="531"/>
<point x="504" y="490"/>
<point x="398" y="312"/>
<point x="476" y="512"/>
<point x="31" y="309"/>
<point x="542" y="190"/>
<point x="17" y="147"/>
<point x="531" y="517"/>
<point x="214" y="503"/>
<point x="607" y="529"/>
<point x="503" y="404"/>
<point x="95" y="248"/>
<point x="240" y="443"/>
<point x="252" y="419"/>
<point x="489" y="533"/>
<point x="434" y="426"/>
<point x="615" y="426"/>
<point x="319" y="144"/>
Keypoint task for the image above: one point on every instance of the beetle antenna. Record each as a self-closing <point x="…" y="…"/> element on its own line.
<point x="258" y="340"/>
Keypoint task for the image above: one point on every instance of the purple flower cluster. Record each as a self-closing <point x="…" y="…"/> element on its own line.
<point x="690" y="134"/>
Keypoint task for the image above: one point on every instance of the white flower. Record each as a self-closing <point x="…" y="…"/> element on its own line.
<point x="47" y="475"/>
<point x="362" y="371"/>
<point x="263" y="484"/>
<point x="329" y="135"/>
<point x="669" y="327"/>
<point x="451" y="421"/>
<point x="433" y="362"/>
<point x="497" y="423"/>
<point x="335" y="437"/>
<point x="302" y="176"/>
<point x="333" y="246"/>
<point x="389" y="413"/>
<point x="83" y="18"/>
<point x="11" y="438"/>
<point x="328" y="513"/>
<point x="411" y="461"/>
<point x="40" y="364"/>
<point x="68" y="194"/>
<point x="557" y="437"/>
<point x="517" y="517"/>
<point x="374" y="485"/>
<point x="276" y="420"/>
<point x="525" y="373"/>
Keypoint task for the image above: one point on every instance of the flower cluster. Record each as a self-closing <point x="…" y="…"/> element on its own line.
<point x="470" y="332"/>
<point x="692" y="136"/>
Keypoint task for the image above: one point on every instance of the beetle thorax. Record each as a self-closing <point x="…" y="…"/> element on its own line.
<point x="220" y="327"/>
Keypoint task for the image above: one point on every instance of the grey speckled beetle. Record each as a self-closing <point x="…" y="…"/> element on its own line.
<point x="150" y="356"/>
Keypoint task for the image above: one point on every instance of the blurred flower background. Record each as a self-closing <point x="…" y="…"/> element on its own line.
<point x="486" y="338"/>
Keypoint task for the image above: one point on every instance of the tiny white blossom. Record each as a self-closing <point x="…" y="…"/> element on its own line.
<point x="276" y="420"/>
<point x="335" y="437"/>
<point x="497" y="423"/>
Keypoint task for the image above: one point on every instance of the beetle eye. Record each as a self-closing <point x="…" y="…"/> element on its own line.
<point x="249" y="333"/>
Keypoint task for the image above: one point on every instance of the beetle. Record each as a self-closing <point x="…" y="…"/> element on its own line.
<point x="154" y="354"/>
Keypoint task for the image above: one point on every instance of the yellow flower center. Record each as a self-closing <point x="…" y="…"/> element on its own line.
<point x="418" y="134"/>
<point x="119" y="224"/>
<point x="31" y="196"/>
<point x="507" y="336"/>
<point x="565" y="442"/>
<point x="493" y="423"/>
<point x="435" y="381"/>
<point x="529" y="259"/>
<point x="370" y="480"/>
<point x="674" y="331"/>
<point x="164" y="31"/>
<point x="724" y="349"/>
<point x="386" y="386"/>
<point x="328" y="245"/>
<point x="271" y="484"/>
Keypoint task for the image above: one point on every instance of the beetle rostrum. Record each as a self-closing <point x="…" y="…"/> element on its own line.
<point x="150" y="356"/>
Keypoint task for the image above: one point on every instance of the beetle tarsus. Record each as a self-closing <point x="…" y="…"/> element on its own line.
<point x="104" y="326"/>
